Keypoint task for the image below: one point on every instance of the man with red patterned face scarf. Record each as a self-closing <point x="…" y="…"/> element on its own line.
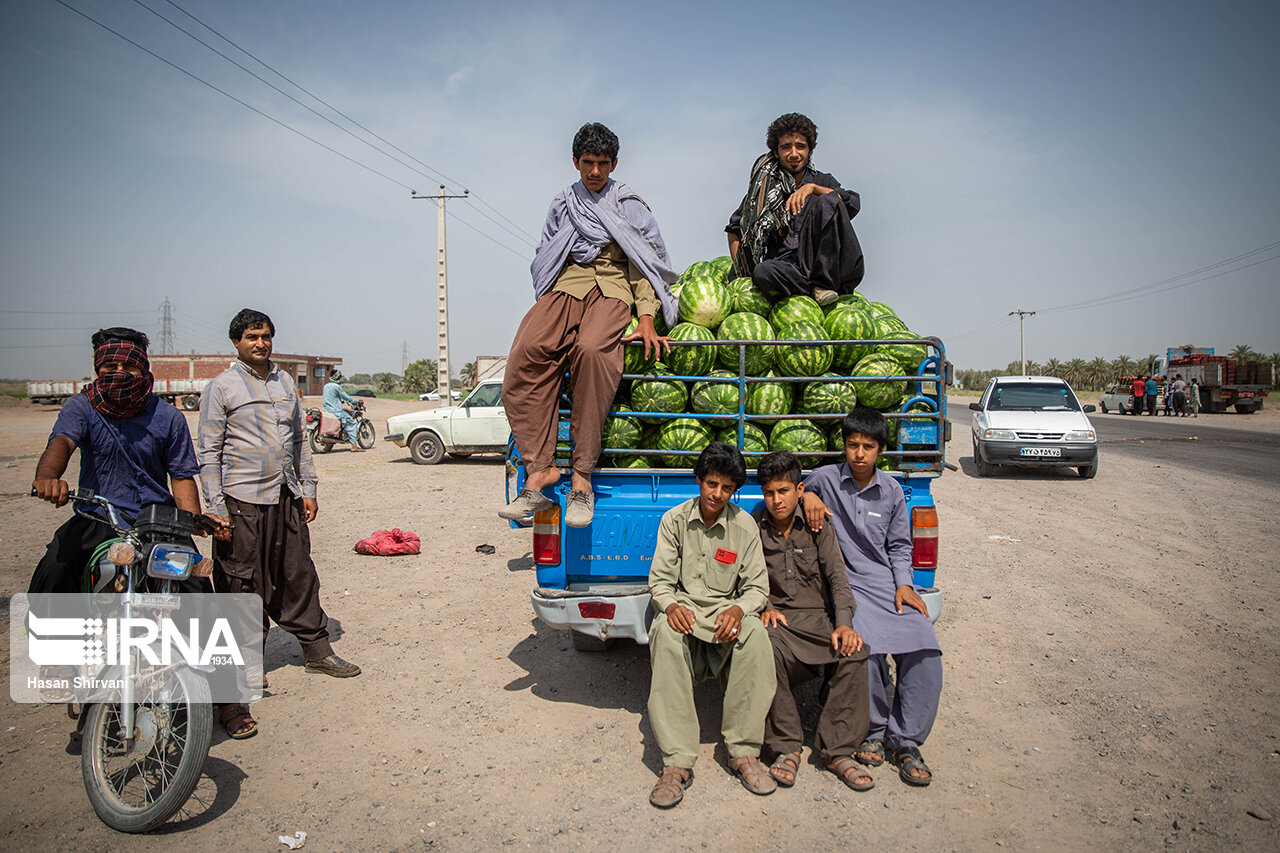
<point x="135" y="450"/>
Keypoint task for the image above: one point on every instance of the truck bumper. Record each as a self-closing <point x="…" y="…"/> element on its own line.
<point x="602" y="613"/>
<point x="932" y="602"/>
<point x="1010" y="453"/>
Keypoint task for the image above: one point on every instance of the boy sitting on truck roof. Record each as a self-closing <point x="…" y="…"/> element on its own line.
<point x="870" y="517"/>
<point x="600" y="255"/>
<point x="708" y="584"/>
<point x="810" y="622"/>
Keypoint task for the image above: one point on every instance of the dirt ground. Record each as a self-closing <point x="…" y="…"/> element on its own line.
<point x="1112" y="683"/>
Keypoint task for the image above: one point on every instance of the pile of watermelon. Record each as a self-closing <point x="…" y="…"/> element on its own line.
<point x="715" y="307"/>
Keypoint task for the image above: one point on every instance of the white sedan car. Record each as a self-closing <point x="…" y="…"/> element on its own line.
<point x="435" y="394"/>
<point x="477" y="425"/>
<point x="1033" y="421"/>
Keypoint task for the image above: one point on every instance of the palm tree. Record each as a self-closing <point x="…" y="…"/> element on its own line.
<point x="1098" y="373"/>
<point x="468" y="375"/>
<point x="1074" y="372"/>
<point x="1053" y="367"/>
<point x="1244" y="352"/>
<point x="1124" y="366"/>
<point x="1148" y="364"/>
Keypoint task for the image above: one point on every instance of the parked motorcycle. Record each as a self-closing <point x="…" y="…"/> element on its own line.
<point x="324" y="429"/>
<point x="142" y="756"/>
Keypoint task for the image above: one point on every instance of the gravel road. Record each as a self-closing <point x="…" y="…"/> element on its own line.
<point x="1112" y="680"/>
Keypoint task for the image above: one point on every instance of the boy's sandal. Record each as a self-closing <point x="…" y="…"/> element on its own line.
<point x="755" y="778"/>
<point x="870" y="753"/>
<point x="238" y="722"/>
<point x="908" y="758"/>
<point x="851" y="774"/>
<point x="669" y="789"/>
<point x="785" y="767"/>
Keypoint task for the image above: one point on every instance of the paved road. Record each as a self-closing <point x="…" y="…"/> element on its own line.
<point x="1208" y="442"/>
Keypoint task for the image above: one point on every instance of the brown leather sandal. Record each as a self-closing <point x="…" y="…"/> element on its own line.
<point x="670" y="787"/>
<point x="238" y="722"/>
<point x="755" y="778"/>
<point x="785" y="767"/>
<point x="851" y="773"/>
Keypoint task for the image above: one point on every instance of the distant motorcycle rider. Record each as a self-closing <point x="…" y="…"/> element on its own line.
<point x="334" y="397"/>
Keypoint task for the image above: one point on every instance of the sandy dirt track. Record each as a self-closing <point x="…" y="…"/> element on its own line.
<point x="1112" y="683"/>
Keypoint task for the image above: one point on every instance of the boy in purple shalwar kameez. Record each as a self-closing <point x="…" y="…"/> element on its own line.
<point x="869" y="512"/>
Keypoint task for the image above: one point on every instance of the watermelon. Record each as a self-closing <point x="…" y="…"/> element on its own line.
<point x="848" y="300"/>
<point x="835" y="439"/>
<point x="747" y="297"/>
<point x="908" y="355"/>
<point x="683" y="434"/>
<point x="633" y="358"/>
<point x="754" y="440"/>
<point x="746" y="327"/>
<point x="691" y="361"/>
<point x="621" y="432"/>
<point x="715" y="398"/>
<point x="886" y="327"/>
<point x="879" y="309"/>
<point x="795" y="308"/>
<point x="801" y="438"/>
<point x="700" y="269"/>
<point x="792" y="360"/>
<point x="769" y="398"/>
<point x="849" y="324"/>
<point x="879" y="395"/>
<point x="704" y="301"/>
<point x="632" y="461"/>
<point x="828" y="398"/>
<point x="723" y="266"/>
<point x="658" y="395"/>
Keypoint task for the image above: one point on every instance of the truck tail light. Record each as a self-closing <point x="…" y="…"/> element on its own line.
<point x="924" y="537"/>
<point x="546" y="537"/>
<point x="596" y="609"/>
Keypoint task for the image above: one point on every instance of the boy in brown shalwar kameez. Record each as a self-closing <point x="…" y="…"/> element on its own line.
<point x="810" y="622"/>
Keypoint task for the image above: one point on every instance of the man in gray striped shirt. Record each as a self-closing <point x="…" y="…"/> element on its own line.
<point x="258" y="478"/>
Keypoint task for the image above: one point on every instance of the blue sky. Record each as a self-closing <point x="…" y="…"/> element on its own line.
<point x="1009" y="155"/>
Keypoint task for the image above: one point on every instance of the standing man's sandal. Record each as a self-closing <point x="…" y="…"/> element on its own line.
<point x="755" y="778"/>
<point x="908" y="758"/>
<point x="785" y="767"/>
<point x="871" y="753"/>
<point x="850" y="774"/>
<point x="526" y="504"/>
<point x="581" y="508"/>
<point x="670" y="787"/>
<point x="333" y="665"/>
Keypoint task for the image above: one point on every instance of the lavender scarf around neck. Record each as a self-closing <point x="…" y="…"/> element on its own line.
<point x="586" y="222"/>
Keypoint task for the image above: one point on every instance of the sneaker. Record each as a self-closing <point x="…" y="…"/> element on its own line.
<point x="526" y="504"/>
<point x="824" y="297"/>
<point x="581" y="508"/>
<point x="334" y="666"/>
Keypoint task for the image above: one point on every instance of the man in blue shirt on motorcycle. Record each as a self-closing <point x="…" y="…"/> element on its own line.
<point x="334" y="397"/>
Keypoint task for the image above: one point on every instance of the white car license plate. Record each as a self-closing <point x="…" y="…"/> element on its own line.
<point x="1042" y="451"/>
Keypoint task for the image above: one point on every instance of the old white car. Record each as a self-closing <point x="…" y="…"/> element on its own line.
<point x="477" y="425"/>
<point x="1033" y="421"/>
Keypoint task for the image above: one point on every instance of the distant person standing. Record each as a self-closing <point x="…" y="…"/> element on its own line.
<point x="1179" y="395"/>
<point x="1193" y="398"/>
<point x="1139" y="392"/>
<point x="1152" y="392"/>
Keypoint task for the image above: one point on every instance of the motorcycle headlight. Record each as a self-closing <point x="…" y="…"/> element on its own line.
<point x="1080" y="435"/>
<point x="1000" y="435"/>
<point x="171" y="562"/>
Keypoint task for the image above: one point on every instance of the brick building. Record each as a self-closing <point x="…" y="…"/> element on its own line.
<point x="310" y="372"/>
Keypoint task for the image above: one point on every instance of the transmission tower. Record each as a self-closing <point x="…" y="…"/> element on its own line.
<point x="166" y="328"/>
<point x="404" y="357"/>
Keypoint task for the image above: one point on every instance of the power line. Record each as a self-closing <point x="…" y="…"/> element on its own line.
<point x="519" y="232"/>
<point x="87" y="311"/>
<point x="226" y="94"/>
<point x="459" y="219"/>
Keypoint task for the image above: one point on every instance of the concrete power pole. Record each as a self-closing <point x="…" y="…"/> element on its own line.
<point x="442" y="294"/>
<point x="1022" y="336"/>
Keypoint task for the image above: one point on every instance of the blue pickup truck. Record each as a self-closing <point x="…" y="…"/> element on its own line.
<point x="593" y="581"/>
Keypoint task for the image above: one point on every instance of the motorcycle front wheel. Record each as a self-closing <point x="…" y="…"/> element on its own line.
<point x="135" y="786"/>
<point x="365" y="437"/>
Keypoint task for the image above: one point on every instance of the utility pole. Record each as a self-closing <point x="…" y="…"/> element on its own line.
<point x="442" y="293"/>
<point x="1022" y="336"/>
<point x="166" y="328"/>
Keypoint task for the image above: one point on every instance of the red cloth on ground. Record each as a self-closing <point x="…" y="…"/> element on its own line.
<point x="387" y="543"/>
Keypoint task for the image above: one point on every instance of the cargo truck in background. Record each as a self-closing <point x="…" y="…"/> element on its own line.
<point x="593" y="581"/>
<point x="1224" y="382"/>
<point x="490" y="367"/>
<point x="183" y="393"/>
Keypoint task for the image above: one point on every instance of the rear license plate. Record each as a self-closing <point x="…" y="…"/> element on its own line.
<point x="1042" y="451"/>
